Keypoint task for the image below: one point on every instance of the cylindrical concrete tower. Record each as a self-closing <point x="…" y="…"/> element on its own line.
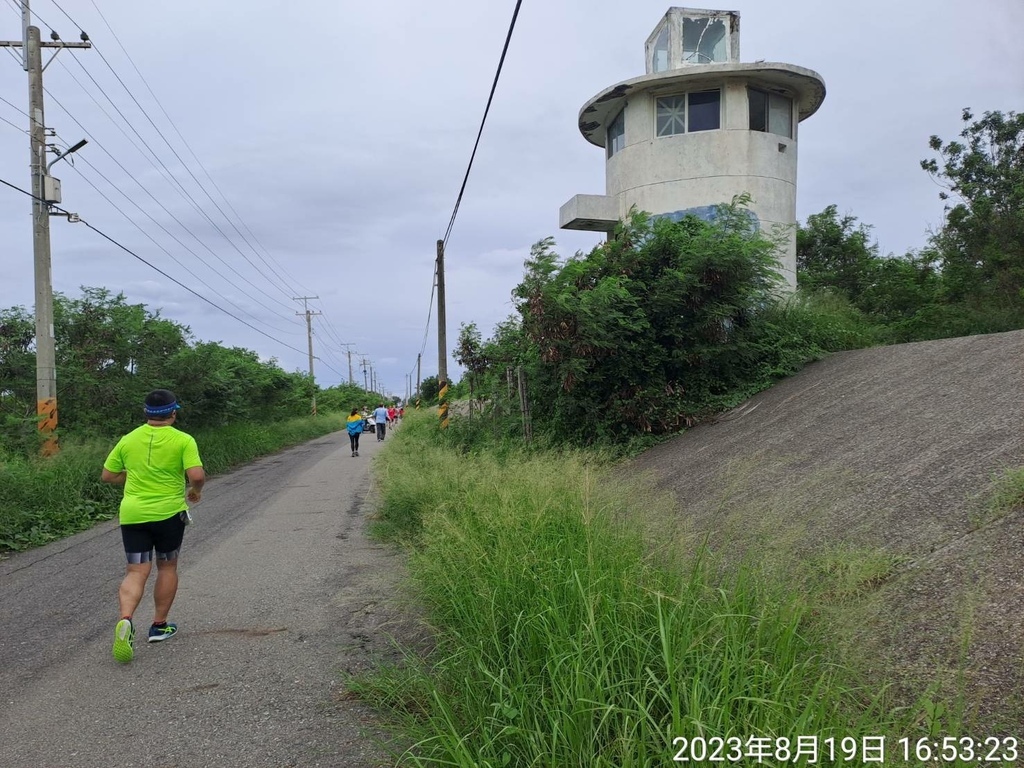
<point x="698" y="129"/>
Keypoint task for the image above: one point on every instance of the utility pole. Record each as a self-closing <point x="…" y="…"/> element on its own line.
<point x="366" y="382"/>
<point x="44" y="191"/>
<point x="419" y="357"/>
<point x="309" y="337"/>
<point x="351" y="379"/>
<point x="442" y="342"/>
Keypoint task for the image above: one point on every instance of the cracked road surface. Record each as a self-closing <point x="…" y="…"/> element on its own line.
<point x="281" y="595"/>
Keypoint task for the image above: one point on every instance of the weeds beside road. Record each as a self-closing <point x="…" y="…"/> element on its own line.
<point x="566" y="637"/>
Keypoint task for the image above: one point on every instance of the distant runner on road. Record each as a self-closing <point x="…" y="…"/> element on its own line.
<point x="380" y="415"/>
<point x="152" y="462"/>
<point x="354" y="425"/>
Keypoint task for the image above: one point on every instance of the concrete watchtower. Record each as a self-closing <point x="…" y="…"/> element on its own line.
<point x="699" y="128"/>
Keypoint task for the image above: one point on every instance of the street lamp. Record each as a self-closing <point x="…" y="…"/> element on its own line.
<point x="51" y="186"/>
<point x="61" y="155"/>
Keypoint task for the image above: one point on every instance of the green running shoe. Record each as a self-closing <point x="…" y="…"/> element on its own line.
<point x="124" y="634"/>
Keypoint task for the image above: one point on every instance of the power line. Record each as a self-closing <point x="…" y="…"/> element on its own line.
<point x="169" y="213"/>
<point x="199" y="208"/>
<point x="169" y="175"/>
<point x="332" y="330"/>
<point x="490" y="98"/>
<point x="13" y="125"/>
<point x="157" y="269"/>
<point x="161" y="247"/>
<point x="184" y="141"/>
<point x="166" y="174"/>
<point x="430" y="308"/>
<point x="176" y="282"/>
<point x="13" y="106"/>
<point x="66" y="14"/>
<point x="163" y="169"/>
<point x="178" y="158"/>
<point x="269" y="264"/>
<point x="17" y="10"/>
<point x="469" y="167"/>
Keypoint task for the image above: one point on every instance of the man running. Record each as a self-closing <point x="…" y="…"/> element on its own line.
<point x="153" y="462"/>
<point x="380" y="415"/>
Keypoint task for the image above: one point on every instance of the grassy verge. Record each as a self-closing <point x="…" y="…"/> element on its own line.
<point x="43" y="500"/>
<point x="564" y="637"/>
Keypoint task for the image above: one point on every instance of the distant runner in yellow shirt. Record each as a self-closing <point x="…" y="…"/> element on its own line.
<point x="153" y="463"/>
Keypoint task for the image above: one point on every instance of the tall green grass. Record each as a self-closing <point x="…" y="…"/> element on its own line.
<point x="564" y="637"/>
<point x="42" y="500"/>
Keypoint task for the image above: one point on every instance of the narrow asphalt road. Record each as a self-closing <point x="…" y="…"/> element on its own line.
<point x="281" y="596"/>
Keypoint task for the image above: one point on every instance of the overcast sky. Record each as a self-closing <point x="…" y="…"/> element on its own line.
<point x="340" y="131"/>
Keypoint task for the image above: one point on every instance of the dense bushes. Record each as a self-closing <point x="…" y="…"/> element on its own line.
<point x="649" y="331"/>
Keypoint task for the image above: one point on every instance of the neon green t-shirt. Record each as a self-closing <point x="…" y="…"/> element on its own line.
<point x="155" y="459"/>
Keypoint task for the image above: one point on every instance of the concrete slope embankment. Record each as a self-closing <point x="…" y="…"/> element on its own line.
<point x="892" y="452"/>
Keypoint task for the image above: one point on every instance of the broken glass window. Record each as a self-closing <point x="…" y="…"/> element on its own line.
<point x="704" y="41"/>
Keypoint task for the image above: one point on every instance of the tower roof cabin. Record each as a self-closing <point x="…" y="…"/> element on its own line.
<point x="688" y="36"/>
<point x="699" y="48"/>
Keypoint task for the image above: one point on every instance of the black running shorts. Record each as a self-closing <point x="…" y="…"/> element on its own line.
<point x="165" y="536"/>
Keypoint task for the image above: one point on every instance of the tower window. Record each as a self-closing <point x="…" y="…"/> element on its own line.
<point x="617" y="134"/>
<point x="770" y="112"/>
<point x="689" y="113"/>
<point x="704" y="112"/>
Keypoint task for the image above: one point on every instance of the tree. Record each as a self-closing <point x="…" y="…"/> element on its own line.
<point x="18" y="421"/>
<point x="111" y="352"/>
<point x="343" y="398"/>
<point x="835" y="252"/>
<point x="982" y="241"/>
<point x="429" y="389"/>
<point x="470" y="355"/>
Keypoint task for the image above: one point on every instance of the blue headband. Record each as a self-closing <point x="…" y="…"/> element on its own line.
<point x="162" y="410"/>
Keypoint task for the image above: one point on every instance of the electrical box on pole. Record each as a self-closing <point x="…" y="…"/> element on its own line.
<point x="51" y="189"/>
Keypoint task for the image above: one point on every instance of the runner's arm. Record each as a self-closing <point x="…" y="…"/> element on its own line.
<point x="116" y="478"/>
<point x="196" y="480"/>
